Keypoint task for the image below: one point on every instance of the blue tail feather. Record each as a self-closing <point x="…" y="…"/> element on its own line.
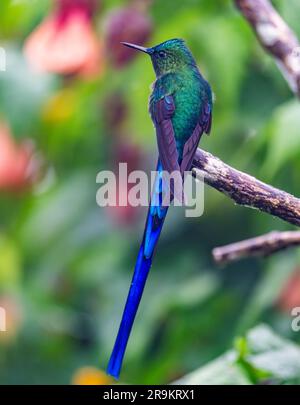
<point x="155" y="219"/>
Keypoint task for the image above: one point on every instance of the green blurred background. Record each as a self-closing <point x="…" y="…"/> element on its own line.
<point x="66" y="264"/>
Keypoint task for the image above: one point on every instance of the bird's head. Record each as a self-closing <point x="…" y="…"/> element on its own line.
<point x="169" y="56"/>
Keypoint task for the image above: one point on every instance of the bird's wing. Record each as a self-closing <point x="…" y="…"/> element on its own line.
<point x="162" y="112"/>
<point x="203" y="125"/>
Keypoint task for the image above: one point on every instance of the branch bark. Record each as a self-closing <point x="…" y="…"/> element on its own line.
<point x="263" y="245"/>
<point x="276" y="37"/>
<point x="245" y="189"/>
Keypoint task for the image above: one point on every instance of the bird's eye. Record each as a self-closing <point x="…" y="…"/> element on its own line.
<point x="162" y="54"/>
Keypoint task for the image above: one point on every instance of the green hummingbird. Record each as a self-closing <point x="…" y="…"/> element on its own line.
<point x="181" y="110"/>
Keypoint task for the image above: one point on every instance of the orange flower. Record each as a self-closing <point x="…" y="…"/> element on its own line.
<point x="65" y="42"/>
<point x="90" y="376"/>
<point x="19" y="165"/>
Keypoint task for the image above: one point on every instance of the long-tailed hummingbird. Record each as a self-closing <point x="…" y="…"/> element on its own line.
<point x="181" y="109"/>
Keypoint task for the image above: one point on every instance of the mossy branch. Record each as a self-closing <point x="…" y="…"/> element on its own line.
<point x="263" y="245"/>
<point x="245" y="189"/>
<point x="276" y="37"/>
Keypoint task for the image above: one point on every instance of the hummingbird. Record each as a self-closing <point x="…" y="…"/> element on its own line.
<point x="180" y="107"/>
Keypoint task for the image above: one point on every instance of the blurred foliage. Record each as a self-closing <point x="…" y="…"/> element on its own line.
<point x="261" y="357"/>
<point x="65" y="263"/>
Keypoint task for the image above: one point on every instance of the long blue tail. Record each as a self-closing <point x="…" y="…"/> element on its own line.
<point x="153" y="227"/>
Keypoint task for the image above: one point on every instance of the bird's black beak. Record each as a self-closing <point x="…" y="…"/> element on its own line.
<point x="137" y="47"/>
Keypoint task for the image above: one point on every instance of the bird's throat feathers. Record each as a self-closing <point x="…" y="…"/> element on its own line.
<point x="172" y="56"/>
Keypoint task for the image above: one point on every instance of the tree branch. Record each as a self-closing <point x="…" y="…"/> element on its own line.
<point x="276" y="37"/>
<point x="260" y="246"/>
<point x="245" y="189"/>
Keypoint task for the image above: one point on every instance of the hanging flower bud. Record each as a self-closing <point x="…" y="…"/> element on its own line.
<point x="130" y="24"/>
<point x="65" y="42"/>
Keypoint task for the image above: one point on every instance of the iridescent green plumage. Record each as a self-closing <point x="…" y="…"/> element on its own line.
<point x="178" y="75"/>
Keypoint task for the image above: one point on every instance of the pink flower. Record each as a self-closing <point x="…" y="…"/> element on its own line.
<point x="125" y="152"/>
<point x="19" y="166"/>
<point x="65" y="42"/>
<point x="290" y="294"/>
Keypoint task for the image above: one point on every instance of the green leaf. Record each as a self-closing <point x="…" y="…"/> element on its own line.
<point x="223" y="371"/>
<point x="266" y="292"/>
<point x="273" y="354"/>
<point x="283" y="133"/>
<point x="259" y="357"/>
<point x="10" y="263"/>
